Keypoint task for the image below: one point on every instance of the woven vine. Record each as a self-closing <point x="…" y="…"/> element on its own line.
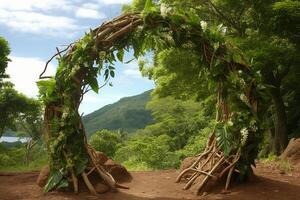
<point x="94" y="55"/>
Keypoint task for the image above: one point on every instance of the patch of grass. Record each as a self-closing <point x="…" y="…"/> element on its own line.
<point x="33" y="166"/>
<point x="275" y="162"/>
<point x="132" y="165"/>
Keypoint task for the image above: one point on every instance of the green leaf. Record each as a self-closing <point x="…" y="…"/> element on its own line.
<point x="54" y="179"/>
<point x="111" y="68"/>
<point x="106" y="74"/>
<point x="106" y="71"/>
<point x="112" y="74"/>
<point x="80" y="165"/>
<point x="46" y="86"/>
<point x="149" y="6"/>
<point x="62" y="184"/>
<point x="223" y="139"/>
<point x="120" y="55"/>
<point x="93" y="83"/>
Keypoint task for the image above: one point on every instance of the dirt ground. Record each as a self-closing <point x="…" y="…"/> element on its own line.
<point x="270" y="184"/>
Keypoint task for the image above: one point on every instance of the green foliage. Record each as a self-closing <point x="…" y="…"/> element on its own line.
<point x="105" y="141"/>
<point x="128" y="114"/>
<point x="149" y="7"/>
<point x="55" y="180"/>
<point x="195" y="143"/>
<point x="13" y="157"/>
<point x="46" y="90"/>
<point x="274" y="161"/>
<point x="286" y="19"/>
<point x="178" y="119"/>
<point x="135" y="6"/>
<point x="223" y="138"/>
<point x="150" y="152"/>
<point x="180" y="129"/>
<point x="14" y="106"/>
<point x="4" y="52"/>
<point x="16" y="109"/>
<point x="194" y="58"/>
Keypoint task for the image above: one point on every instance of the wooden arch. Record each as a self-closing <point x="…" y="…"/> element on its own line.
<point x="79" y="65"/>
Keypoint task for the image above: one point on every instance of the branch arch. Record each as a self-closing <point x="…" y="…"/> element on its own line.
<point x="81" y="63"/>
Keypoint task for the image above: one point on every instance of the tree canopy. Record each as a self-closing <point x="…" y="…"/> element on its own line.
<point x="4" y="52"/>
<point x="266" y="34"/>
<point x="15" y="107"/>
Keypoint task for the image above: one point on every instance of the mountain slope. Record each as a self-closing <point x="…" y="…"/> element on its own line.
<point x="128" y="114"/>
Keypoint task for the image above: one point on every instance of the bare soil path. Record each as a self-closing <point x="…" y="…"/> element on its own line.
<point x="269" y="185"/>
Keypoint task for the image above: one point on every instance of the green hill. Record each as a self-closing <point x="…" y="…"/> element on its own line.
<point x="128" y="114"/>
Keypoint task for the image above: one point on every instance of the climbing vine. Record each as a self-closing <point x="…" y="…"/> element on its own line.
<point x="95" y="54"/>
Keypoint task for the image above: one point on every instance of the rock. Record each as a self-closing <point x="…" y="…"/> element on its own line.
<point x="43" y="176"/>
<point x="101" y="188"/>
<point x="119" y="172"/>
<point x="292" y="152"/>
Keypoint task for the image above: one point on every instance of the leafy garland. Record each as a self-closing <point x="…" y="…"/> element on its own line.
<point x="95" y="54"/>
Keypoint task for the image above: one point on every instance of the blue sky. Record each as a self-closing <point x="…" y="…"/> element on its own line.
<point x="34" y="28"/>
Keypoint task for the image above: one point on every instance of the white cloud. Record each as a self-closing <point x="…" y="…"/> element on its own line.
<point x="132" y="70"/>
<point x="89" y="13"/>
<point x="115" y="1"/>
<point x="24" y="72"/>
<point x="33" y="22"/>
<point x="51" y="17"/>
<point x="33" y="16"/>
<point x="29" y="5"/>
<point x="133" y="73"/>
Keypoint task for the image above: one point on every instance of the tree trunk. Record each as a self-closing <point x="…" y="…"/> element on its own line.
<point x="280" y="122"/>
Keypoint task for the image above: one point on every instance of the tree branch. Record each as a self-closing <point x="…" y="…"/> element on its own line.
<point x="47" y="63"/>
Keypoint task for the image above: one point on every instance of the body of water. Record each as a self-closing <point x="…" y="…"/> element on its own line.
<point x="13" y="139"/>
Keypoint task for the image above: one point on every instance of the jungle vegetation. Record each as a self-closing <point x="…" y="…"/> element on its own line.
<point x="263" y="35"/>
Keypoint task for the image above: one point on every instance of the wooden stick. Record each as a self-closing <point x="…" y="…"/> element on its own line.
<point x="193" y="165"/>
<point x="108" y="179"/>
<point x="208" y="159"/>
<point x="191" y="181"/>
<point x="74" y="178"/>
<point x="124" y="30"/>
<point x="237" y="157"/>
<point x="88" y="183"/>
<point x="188" y="185"/>
<point x="203" y="172"/>
<point x="207" y="177"/>
<point x="91" y="171"/>
<point x="75" y="181"/>
<point x="229" y="177"/>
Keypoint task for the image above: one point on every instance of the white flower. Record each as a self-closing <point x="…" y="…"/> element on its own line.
<point x="203" y="25"/>
<point x="245" y="134"/>
<point x="165" y="10"/>
<point x="242" y="82"/>
<point x="243" y="98"/>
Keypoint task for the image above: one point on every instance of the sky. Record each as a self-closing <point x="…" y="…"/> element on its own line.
<point x="34" y="28"/>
